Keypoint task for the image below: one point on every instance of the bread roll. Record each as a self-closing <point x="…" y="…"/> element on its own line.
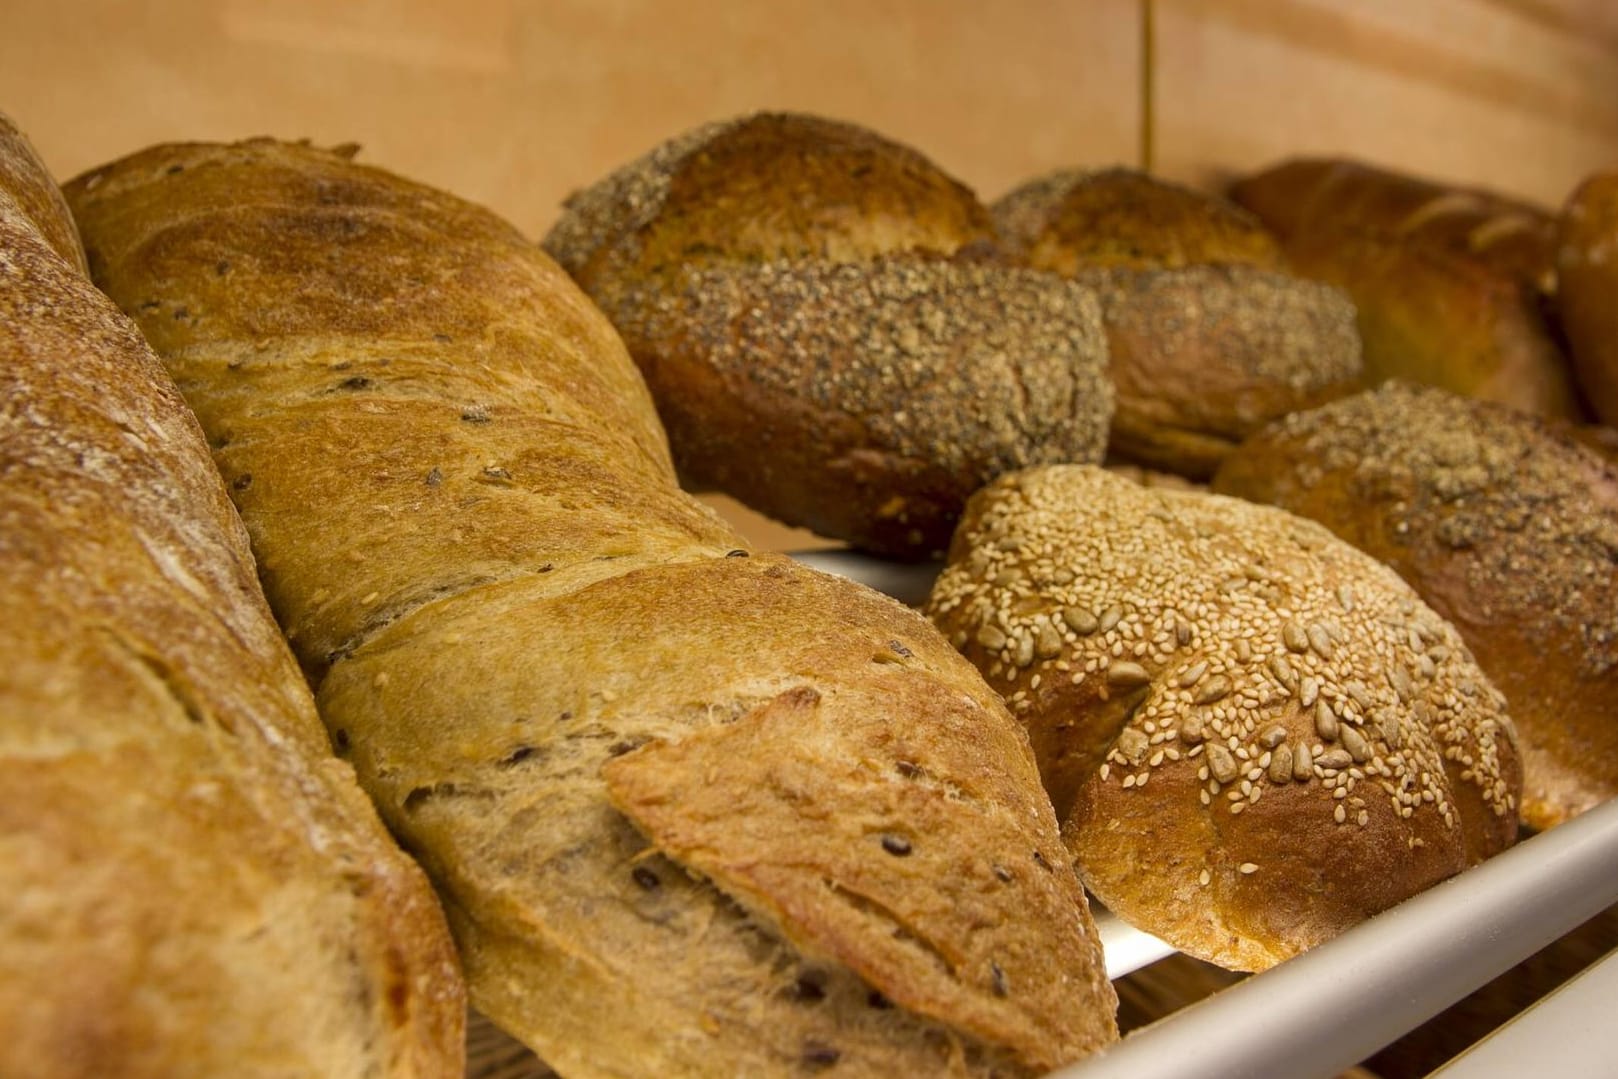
<point x="1208" y="337"/>
<point x="1255" y="736"/>
<point x="1587" y="293"/>
<point x="692" y="811"/>
<point x="822" y="344"/>
<point x="193" y="884"/>
<point x="1451" y="284"/>
<point x="1507" y="528"/>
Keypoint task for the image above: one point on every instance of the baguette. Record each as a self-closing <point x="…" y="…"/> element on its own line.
<point x="1452" y="285"/>
<point x="692" y="810"/>
<point x="194" y="885"/>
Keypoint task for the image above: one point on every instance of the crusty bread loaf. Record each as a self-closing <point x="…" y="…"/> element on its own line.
<point x="193" y="884"/>
<point x="1451" y="284"/>
<point x="1209" y="338"/>
<point x="1506" y="527"/>
<point x="804" y="299"/>
<point x="1587" y="288"/>
<point x="692" y="811"/>
<point x="1255" y="736"/>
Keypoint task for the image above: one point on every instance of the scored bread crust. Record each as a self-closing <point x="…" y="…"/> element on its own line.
<point x="1587" y="284"/>
<point x="556" y="674"/>
<point x="1507" y="527"/>
<point x="194" y="884"/>
<point x="810" y="304"/>
<point x="1208" y="337"/>
<point x="1255" y="735"/>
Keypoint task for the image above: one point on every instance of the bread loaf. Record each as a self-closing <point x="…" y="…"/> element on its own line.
<point x="1451" y="284"/>
<point x="1506" y="527"/>
<point x="1587" y="290"/>
<point x="1208" y="337"/>
<point x="692" y="810"/>
<point x="1255" y="736"/>
<point x="823" y="343"/>
<point x="193" y="884"/>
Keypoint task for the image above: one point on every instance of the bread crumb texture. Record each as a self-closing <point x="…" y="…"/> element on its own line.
<point x="1254" y="734"/>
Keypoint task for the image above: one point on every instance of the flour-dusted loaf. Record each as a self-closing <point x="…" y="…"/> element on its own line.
<point x="825" y="338"/>
<point x="692" y="810"/>
<point x="192" y="884"/>
<point x="1255" y="735"/>
<point x="1208" y="336"/>
<point x="1506" y="526"/>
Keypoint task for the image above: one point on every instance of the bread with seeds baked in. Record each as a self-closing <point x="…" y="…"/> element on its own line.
<point x="1587" y="288"/>
<point x="1453" y="285"/>
<point x="824" y="343"/>
<point x="692" y="811"/>
<point x="194" y="885"/>
<point x="1255" y="736"/>
<point x="1208" y="336"/>
<point x="1506" y="526"/>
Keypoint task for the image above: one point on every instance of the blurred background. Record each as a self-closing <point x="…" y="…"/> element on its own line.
<point x="516" y="103"/>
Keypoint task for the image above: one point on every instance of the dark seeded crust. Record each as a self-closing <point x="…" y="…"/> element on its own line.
<point x="875" y="360"/>
<point x="1255" y="735"/>
<point x="1508" y="529"/>
<point x="1073" y="219"/>
<point x="784" y="282"/>
<point x="468" y="519"/>
<point x="1208" y="338"/>
<point x="1587" y="293"/>
<point x="193" y="884"/>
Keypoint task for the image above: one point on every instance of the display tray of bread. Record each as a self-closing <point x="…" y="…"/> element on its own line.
<point x="1255" y="735"/>
<point x="824" y="330"/>
<point x="1454" y="286"/>
<point x="1506" y="526"/>
<point x="1209" y="336"/>
<point x="193" y="884"/>
<point x="692" y="809"/>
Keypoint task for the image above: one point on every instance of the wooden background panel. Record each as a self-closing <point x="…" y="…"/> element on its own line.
<point x="1477" y="91"/>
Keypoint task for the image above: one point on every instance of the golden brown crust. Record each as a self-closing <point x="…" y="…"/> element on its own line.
<point x="1507" y="529"/>
<point x="469" y="521"/>
<point x="25" y="179"/>
<point x="785" y="253"/>
<point x="1207" y="338"/>
<point x="1587" y="290"/>
<point x="194" y="884"/>
<point x="1255" y="735"/>
<point x="1450" y="284"/>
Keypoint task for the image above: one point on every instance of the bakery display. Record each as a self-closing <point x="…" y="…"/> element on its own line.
<point x="193" y="884"/>
<point x="1506" y="527"/>
<point x="1208" y="336"/>
<point x="1254" y="735"/>
<point x="1587" y="288"/>
<point x="692" y="809"/>
<point x="827" y="340"/>
<point x="1452" y="285"/>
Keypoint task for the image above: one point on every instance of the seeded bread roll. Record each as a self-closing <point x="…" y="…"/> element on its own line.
<point x="691" y="812"/>
<point x="1587" y="292"/>
<point x="193" y="884"/>
<point x="1255" y="736"/>
<point x="1452" y="285"/>
<point x="804" y="299"/>
<point x="1507" y="528"/>
<point x="1209" y="337"/>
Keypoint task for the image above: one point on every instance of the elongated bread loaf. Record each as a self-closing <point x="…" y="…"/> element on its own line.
<point x="1587" y="288"/>
<point x="693" y="811"/>
<point x="193" y="884"/>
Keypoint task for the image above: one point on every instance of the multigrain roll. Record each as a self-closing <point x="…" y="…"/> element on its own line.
<point x="1587" y="289"/>
<point x="1508" y="528"/>
<point x="193" y="884"/>
<point x="692" y="810"/>
<point x="823" y="342"/>
<point x="1452" y="285"/>
<point x="1209" y="337"/>
<point x="1254" y="735"/>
